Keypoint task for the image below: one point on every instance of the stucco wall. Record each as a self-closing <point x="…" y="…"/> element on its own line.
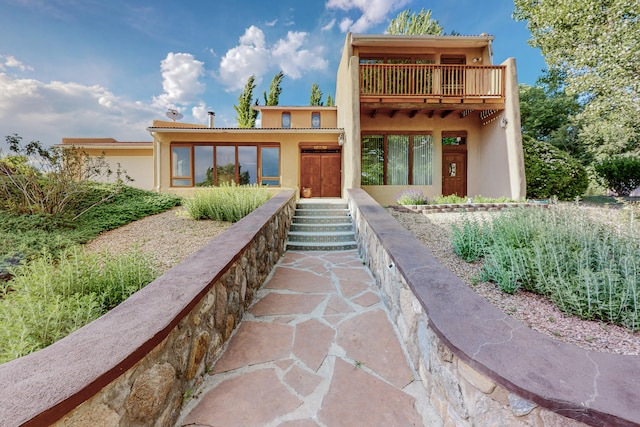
<point x="289" y="151"/>
<point x="138" y="164"/>
<point x="271" y="117"/>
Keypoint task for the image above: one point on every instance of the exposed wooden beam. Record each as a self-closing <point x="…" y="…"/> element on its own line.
<point x="430" y="113"/>
<point x="445" y="113"/>
<point x="393" y="113"/>
<point x="413" y="113"/>
<point x="435" y="106"/>
<point x="373" y="113"/>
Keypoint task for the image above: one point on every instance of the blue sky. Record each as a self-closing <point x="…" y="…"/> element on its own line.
<point x="95" y="68"/>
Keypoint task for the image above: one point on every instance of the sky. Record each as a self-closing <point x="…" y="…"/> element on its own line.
<point x="107" y="69"/>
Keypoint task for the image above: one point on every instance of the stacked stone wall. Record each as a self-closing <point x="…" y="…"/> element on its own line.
<point x="479" y="366"/>
<point x="136" y="365"/>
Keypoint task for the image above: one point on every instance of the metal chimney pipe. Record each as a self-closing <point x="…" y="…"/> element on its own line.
<point x="211" y="115"/>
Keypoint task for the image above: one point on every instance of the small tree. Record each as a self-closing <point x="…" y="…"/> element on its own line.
<point x="246" y="114"/>
<point x="35" y="179"/>
<point x="552" y="172"/>
<point x="274" y="90"/>
<point x="316" y="95"/>
<point x="417" y="24"/>
<point x="620" y="174"/>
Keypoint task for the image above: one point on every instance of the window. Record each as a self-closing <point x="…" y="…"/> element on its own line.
<point x="286" y="120"/>
<point x="403" y="159"/>
<point x="270" y="165"/>
<point x="372" y="159"/>
<point x="203" y="165"/>
<point x="315" y="120"/>
<point x="214" y="164"/>
<point x="454" y="138"/>
<point x="180" y="166"/>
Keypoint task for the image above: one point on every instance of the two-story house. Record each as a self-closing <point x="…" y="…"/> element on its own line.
<point x="428" y="112"/>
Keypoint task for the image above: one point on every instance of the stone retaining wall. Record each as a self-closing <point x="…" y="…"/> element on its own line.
<point x="135" y="365"/>
<point x="481" y="367"/>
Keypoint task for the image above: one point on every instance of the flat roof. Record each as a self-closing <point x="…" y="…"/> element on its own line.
<point x="243" y="130"/>
<point x="420" y="40"/>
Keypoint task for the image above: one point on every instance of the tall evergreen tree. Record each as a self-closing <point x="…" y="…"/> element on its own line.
<point x="330" y="102"/>
<point x="414" y="23"/>
<point x="273" y="97"/>
<point x="316" y="95"/>
<point x="246" y="115"/>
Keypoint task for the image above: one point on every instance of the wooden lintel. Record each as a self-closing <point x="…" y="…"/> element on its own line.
<point x="445" y="113"/>
<point x="413" y="113"/>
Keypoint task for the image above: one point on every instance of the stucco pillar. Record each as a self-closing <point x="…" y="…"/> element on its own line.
<point x="517" y="179"/>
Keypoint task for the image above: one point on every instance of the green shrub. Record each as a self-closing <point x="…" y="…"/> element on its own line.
<point x="620" y="174"/>
<point x="47" y="300"/>
<point x="470" y="240"/>
<point x="24" y="236"/>
<point x="584" y="267"/>
<point x="552" y="172"/>
<point x="39" y="180"/>
<point x="226" y="203"/>
<point x="411" y="196"/>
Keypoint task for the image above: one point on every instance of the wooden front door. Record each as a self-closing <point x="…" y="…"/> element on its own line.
<point x="454" y="172"/>
<point x="321" y="171"/>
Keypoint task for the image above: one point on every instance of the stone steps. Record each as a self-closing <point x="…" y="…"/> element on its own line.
<point x="321" y="226"/>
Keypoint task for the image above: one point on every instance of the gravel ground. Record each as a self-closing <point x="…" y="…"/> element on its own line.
<point x="535" y="311"/>
<point x="171" y="236"/>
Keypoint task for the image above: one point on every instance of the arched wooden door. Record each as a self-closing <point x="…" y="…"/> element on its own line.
<point x="321" y="171"/>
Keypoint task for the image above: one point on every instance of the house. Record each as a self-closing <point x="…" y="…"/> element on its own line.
<point x="427" y="112"/>
<point x="136" y="158"/>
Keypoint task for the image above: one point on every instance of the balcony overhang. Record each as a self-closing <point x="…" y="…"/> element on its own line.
<point x="485" y="113"/>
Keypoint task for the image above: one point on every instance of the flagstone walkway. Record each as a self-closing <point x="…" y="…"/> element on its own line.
<point x="316" y="348"/>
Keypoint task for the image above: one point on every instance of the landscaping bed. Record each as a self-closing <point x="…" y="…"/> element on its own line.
<point x="535" y="311"/>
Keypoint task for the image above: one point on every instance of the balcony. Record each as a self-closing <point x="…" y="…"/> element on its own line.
<point x="431" y="87"/>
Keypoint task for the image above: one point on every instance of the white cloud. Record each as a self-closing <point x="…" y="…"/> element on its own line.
<point x="253" y="56"/>
<point x="373" y="12"/>
<point x="51" y="111"/>
<point x="271" y="23"/>
<point x="249" y="57"/>
<point x="201" y="112"/>
<point x="329" y="25"/>
<point x="8" y="61"/>
<point x="292" y="59"/>
<point x="345" y="24"/>
<point x="181" y="74"/>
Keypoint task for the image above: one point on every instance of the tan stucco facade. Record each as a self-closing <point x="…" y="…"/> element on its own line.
<point x="135" y="159"/>
<point x="290" y="142"/>
<point x="484" y="107"/>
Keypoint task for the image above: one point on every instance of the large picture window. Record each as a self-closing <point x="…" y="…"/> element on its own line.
<point x="202" y="164"/>
<point x="397" y="159"/>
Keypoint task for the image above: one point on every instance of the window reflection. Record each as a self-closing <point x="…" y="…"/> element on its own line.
<point x="203" y="170"/>
<point x="181" y="166"/>
<point x="201" y="164"/>
<point x="225" y="165"/>
<point x="248" y="164"/>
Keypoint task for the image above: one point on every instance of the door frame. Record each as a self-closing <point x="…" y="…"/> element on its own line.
<point x="318" y="148"/>
<point x="455" y="149"/>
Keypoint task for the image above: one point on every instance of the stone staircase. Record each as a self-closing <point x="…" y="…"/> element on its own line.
<point x="321" y="226"/>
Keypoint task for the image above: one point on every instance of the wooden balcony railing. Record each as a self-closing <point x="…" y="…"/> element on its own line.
<point x="431" y="80"/>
